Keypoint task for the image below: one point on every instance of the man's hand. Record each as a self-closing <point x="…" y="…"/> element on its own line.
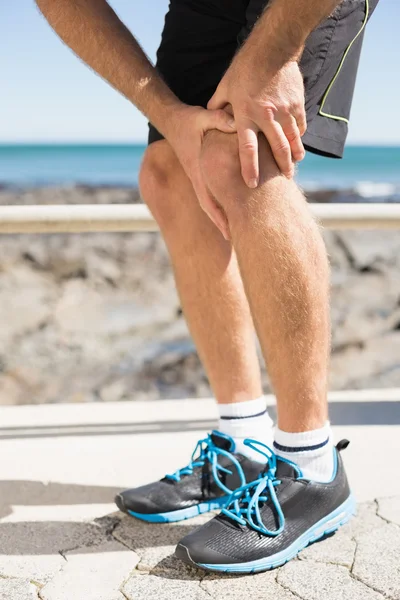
<point x="272" y="104"/>
<point x="94" y="32"/>
<point x="185" y="133"/>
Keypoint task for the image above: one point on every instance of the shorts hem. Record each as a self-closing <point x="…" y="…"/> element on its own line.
<point x="323" y="146"/>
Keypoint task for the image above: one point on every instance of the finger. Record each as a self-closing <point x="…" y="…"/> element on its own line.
<point x="301" y="119"/>
<point x="218" y="100"/>
<point x="248" y="152"/>
<point x="217" y="119"/>
<point x="211" y="208"/>
<point x="280" y="147"/>
<point x="292" y="133"/>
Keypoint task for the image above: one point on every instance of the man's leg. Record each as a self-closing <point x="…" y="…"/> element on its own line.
<point x="285" y="271"/>
<point x="212" y="297"/>
<point x="207" y="278"/>
<point x="218" y="315"/>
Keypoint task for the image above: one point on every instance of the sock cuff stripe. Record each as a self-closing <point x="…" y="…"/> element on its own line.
<point x="232" y="418"/>
<point x="300" y="448"/>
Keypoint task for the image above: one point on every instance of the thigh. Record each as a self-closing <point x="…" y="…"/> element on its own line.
<point x="198" y="43"/>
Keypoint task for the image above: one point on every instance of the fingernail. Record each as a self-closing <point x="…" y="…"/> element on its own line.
<point x="231" y="123"/>
<point x="253" y="183"/>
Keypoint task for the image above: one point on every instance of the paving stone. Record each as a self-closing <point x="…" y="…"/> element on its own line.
<point x="65" y="513"/>
<point x="94" y="574"/>
<point x="311" y="581"/>
<point x="17" y="589"/>
<point x="389" y="509"/>
<point x="35" y="568"/>
<point x="32" y="549"/>
<point x="154" y="542"/>
<point x="338" y="549"/>
<point x="377" y="561"/>
<point x="46" y="538"/>
<point x="257" y="587"/>
<point x="141" y="586"/>
<point x="365" y="520"/>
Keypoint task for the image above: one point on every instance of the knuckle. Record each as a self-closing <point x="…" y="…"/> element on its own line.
<point x="292" y="135"/>
<point x="281" y="148"/>
<point x="269" y="112"/>
<point x="298" y="106"/>
<point x="285" y="108"/>
<point x="249" y="147"/>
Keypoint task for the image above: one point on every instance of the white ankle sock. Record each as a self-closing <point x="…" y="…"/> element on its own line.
<point x="249" y="419"/>
<point x="312" y="451"/>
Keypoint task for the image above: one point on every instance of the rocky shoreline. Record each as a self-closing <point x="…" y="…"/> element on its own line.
<point x="96" y="316"/>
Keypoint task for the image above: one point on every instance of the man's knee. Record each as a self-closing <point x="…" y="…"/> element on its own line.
<point x="160" y="178"/>
<point x="222" y="171"/>
<point x="220" y="163"/>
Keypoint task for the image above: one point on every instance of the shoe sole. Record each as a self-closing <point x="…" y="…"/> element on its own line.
<point x="325" y="526"/>
<point x="175" y="515"/>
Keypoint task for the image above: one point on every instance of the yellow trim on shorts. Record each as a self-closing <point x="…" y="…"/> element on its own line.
<point x="321" y="112"/>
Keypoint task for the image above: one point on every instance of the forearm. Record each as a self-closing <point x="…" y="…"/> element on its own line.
<point x="282" y="30"/>
<point x="95" y="33"/>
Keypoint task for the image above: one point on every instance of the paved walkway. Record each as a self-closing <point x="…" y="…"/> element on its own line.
<point x="61" y="538"/>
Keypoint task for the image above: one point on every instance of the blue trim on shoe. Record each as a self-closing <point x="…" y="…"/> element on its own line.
<point x="327" y="525"/>
<point x="183" y="513"/>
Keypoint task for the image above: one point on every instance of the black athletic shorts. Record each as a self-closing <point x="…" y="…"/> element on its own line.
<point x="200" y="38"/>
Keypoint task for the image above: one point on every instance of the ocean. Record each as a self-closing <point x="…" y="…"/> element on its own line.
<point x="371" y="173"/>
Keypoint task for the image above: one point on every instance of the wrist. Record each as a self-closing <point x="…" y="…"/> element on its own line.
<point x="276" y="52"/>
<point x="172" y="120"/>
<point x="157" y="102"/>
<point x="275" y="41"/>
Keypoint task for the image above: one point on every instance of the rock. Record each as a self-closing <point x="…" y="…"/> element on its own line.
<point x="10" y="391"/>
<point x="26" y="301"/>
<point x="84" y="310"/>
<point x="102" y="267"/>
<point x="114" y="391"/>
<point x="364" y="307"/>
<point x="376" y="250"/>
<point x="96" y="316"/>
<point x="353" y="366"/>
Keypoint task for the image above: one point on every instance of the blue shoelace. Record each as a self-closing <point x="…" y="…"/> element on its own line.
<point x="208" y="454"/>
<point x="244" y="503"/>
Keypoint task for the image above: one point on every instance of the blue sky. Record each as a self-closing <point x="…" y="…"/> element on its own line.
<point x="48" y="95"/>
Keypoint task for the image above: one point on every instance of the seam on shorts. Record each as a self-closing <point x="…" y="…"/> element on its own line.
<point x="336" y="18"/>
<point x="339" y="69"/>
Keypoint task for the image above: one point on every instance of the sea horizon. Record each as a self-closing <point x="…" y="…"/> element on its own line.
<point x="370" y="171"/>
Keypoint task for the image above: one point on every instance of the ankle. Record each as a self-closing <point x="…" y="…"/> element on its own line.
<point x="311" y="450"/>
<point x="247" y="420"/>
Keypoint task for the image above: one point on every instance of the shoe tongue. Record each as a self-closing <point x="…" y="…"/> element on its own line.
<point x="285" y="469"/>
<point x="222" y="441"/>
